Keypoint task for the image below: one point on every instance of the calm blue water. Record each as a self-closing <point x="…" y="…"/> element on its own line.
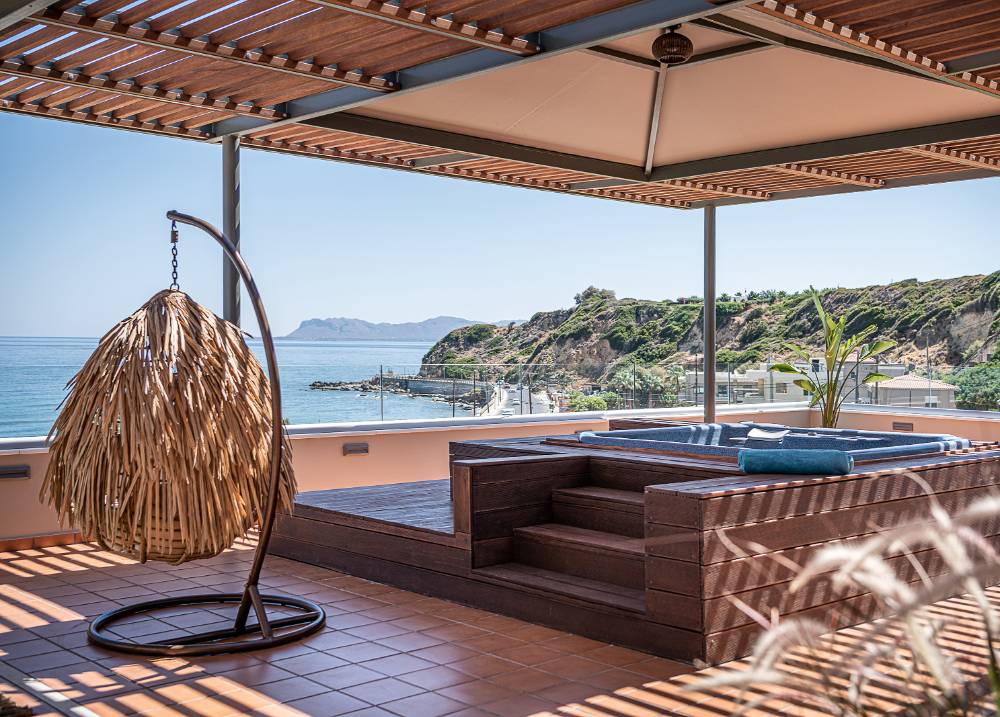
<point x="34" y="372"/>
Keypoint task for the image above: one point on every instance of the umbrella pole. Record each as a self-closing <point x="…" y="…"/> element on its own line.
<point x="310" y="617"/>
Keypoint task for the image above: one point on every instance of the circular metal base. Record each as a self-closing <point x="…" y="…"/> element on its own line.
<point x="308" y="618"/>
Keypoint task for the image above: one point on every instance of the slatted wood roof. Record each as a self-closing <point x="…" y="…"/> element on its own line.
<point x="291" y="76"/>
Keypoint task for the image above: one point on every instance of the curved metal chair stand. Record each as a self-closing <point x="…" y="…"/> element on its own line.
<point x="308" y="618"/>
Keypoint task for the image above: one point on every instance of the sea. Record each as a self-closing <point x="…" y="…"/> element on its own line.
<point x="34" y="372"/>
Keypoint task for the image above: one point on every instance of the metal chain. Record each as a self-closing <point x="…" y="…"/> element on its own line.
<point x="174" y="286"/>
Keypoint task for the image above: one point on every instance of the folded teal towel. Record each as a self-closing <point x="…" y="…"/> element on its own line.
<point x="795" y="461"/>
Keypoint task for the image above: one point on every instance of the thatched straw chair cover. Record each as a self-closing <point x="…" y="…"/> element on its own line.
<point x="162" y="447"/>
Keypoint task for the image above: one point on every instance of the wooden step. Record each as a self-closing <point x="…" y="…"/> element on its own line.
<point x="584" y="553"/>
<point x="549" y="581"/>
<point x="605" y="509"/>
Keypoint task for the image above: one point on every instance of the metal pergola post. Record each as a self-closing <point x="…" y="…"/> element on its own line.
<point x="708" y="318"/>
<point x="231" y="226"/>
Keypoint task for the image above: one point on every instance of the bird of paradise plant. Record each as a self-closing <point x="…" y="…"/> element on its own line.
<point x="830" y="392"/>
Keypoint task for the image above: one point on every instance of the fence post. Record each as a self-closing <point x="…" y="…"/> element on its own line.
<point x="381" y="392"/>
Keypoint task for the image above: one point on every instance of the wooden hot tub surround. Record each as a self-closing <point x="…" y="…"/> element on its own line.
<point x="642" y="550"/>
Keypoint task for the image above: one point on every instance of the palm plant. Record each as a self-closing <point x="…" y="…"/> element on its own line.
<point x="830" y="392"/>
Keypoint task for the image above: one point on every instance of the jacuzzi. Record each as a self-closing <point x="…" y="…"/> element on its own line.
<point x="728" y="439"/>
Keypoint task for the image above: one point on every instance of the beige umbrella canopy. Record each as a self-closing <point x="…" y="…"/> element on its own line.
<point x="162" y="448"/>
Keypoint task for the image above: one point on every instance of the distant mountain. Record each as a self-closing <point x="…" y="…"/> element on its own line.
<point x="358" y="329"/>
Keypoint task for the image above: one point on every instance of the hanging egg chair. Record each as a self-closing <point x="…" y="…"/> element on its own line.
<point x="170" y="447"/>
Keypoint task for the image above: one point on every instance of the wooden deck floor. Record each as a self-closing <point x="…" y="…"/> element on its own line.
<point x="425" y="505"/>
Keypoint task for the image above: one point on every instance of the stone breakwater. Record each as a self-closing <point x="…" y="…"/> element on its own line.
<point x="464" y="393"/>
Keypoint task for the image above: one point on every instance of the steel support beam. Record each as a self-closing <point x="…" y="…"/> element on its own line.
<point x="708" y="317"/>
<point x="973" y="63"/>
<point x="899" y="139"/>
<point x="646" y="63"/>
<point x="579" y="35"/>
<point x="478" y="146"/>
<point x="440" y="159"/>
<point x="659" y="87"/>
<point x="231" y="227"/>
<point x="745" y="29"/>
<point x="13" y="11"/>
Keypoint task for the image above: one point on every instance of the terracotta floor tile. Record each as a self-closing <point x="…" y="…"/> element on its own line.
<point x="226" y="663"/>
<point x="330" y="640"/>
<point x="398" y="664"/>
<point x="390" y="612"/>
<point x="377" y="630"/>
<point x="362" y="652"/>
<point x="445" y="654"/>
<point x="347" y="620"/>
<point x="419" y="622"/>
<point x="614" y="679"/>
<point x="455" y="632"/>
<point x="434" y="678"/>
<point x="309" y="663"/>
<point x="528" y="654"/>
<point x="429" y="704"/>
<point x="410" y="641"/>
<point x="566" y="692"/>
<point x="616" y="656"/>
<point x="478" y="692"/>
<point x="659" y="668"/>
<point x="490" y="642"/>
<point x="574" y="644"/>
<point x="257" y="674"/>
<point x="328" y="704"/>
<point x="348" y="676"/>
<point x="291" y="689"/>
<point x="28" y="648"/>
<point x="572" y="667"/>
<point x="485" y="666"/>
<point x="372" y="712"/>
<point x="385" y="690"/>
<point x="518" y="706"/>
<point x="37" y="663"/>
<point x="284" y="652"/>
<point x="526" y="679"/>
<point x="534" y="633"/>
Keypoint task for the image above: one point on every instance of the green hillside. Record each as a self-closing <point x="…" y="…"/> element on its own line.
<point x="960" y="316"/>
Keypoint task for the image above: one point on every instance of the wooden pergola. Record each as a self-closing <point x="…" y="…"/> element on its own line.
<point x="779" y="100"/>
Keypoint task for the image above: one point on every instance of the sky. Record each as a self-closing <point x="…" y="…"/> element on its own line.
<point x="84" y="241"/>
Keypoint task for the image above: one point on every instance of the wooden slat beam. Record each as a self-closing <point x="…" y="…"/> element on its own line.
<point x="728" y="191"/>
<point x="830" y="174"/>
<point x="955" y="156"/>
<point x="60" y="112"/>
<point x="639" y="198"/>
<point x="109" y="27"/>
<point x="875" y="47"/>
<point x="424" y="22"/>
<point x="132" y="89"/>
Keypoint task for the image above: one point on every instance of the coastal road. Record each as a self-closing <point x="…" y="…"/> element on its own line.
<point x="539" y="401"/>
